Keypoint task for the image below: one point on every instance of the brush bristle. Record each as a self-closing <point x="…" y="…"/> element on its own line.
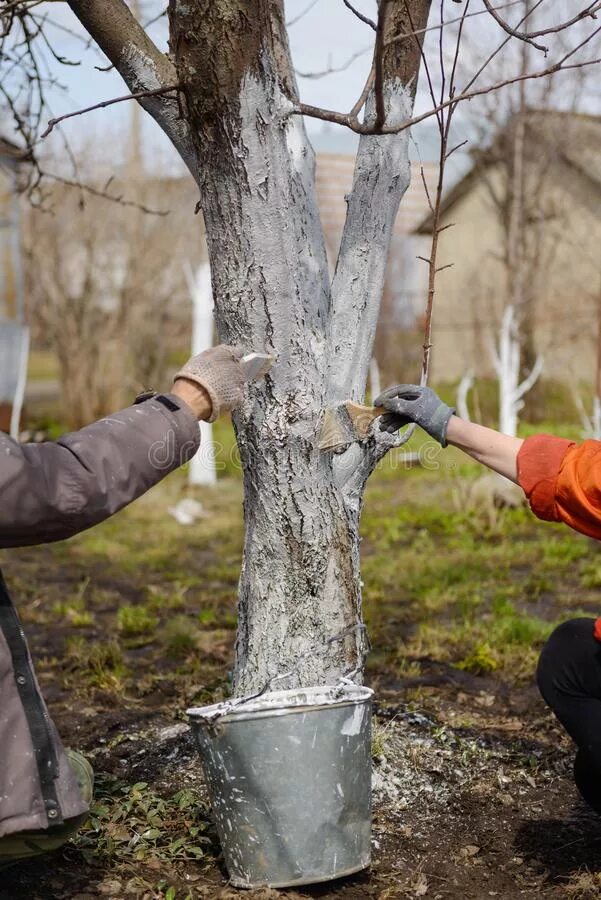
<point x="336" y="429"/>
<point x="346" y="424"/>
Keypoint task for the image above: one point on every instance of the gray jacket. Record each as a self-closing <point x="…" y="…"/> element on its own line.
<point x="49" y="492"/>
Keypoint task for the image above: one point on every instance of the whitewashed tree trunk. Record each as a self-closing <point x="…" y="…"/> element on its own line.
<point x="375" y="384"/>
<point x="506" y="361"/>
<point x="202" y="470"/>
<point x="300" y="583"/>
<point x="591" y="424"/>
<point x="463" y="389"/>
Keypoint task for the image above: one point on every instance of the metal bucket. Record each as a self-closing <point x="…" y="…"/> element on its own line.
<point x="289" y="775"/>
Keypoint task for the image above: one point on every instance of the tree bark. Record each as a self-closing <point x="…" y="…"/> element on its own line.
<point x="300" y="583"/>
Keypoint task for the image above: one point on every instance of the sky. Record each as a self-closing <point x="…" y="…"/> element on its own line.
<point x="323" y="35"/>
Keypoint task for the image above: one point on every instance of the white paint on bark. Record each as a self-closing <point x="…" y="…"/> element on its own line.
<point x="297" y="143"/>
<point x="299" y="582"/>
<point x="382" y="175"/>
<point x="463" y="389"/>
<point x="591" y="424"/>
<point x="141" y="74"/>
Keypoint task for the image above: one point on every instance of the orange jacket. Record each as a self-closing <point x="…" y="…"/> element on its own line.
<point x="562" y="481"/>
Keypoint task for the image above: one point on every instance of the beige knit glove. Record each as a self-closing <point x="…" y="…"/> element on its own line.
<point x="219" y="372"/>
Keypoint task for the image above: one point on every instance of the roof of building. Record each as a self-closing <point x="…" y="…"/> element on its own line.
<point x="573" y="139"/>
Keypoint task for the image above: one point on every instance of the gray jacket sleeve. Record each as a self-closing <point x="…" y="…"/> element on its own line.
<point x="51" y="491"/>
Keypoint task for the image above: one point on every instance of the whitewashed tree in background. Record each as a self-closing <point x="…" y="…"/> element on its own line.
<point x="506" y="359"/>
<point x="202" y="465"/>
<point x="463" y="388"/>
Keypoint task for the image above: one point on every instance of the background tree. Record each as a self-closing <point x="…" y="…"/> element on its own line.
<point x="106" y="291"/>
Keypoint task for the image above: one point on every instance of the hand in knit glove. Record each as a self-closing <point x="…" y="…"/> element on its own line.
<point x="412" y="403"/>
<point x="219" y="372"/>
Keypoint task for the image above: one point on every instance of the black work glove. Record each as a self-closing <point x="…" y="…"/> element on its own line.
<point x="412" y="403"/>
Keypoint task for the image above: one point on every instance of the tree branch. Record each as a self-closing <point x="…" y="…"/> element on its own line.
<point x="379" y="65"/>
<point x="141" y="65"/>
<point x="526" y="36"/>
<point x="301" y="14"/>
<point x="331" y="70"/>
<point x="365" y="128"/>
<point x="440" y="25"/>
<point x="359" y="15"/>
<point x="380" y="179"/>
<point x="531" y="379"/>
<point x="80" y="112"/>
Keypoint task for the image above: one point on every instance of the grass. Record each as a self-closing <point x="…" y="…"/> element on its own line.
<point x="133" y="621"/>
<point x="179" y="637"/>
<point x="99" y="665"/>
<point x="478" y="595"/>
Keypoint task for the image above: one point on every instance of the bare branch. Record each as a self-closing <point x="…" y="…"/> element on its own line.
<point x="359" y="15"/>
<point x="349" y="121"/>
<point x="530" y="10"/>
<point x="302" y="14"/>
<point x="158" y="16"/>
<point x="380" y="179"/>
<point x="379" y="66"/>
<point x="362" y="99"/>
<point x="104" y="194"/>
<point x="141" y="65"/>
<point x="589" y="10"/>
<point x="443" y="24"/>
<point x="331" y="70"/>
<point x="457" y="147"/>
<point x="103" y="103"/>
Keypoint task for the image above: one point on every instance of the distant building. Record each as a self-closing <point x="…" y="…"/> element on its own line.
<point x="562" y="215"/>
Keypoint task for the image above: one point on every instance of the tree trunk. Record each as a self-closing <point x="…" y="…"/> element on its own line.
<point x="300" y="583"/>
<point x="236" y="130"/>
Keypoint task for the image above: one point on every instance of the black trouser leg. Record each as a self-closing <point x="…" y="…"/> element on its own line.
<point x="569" y="678"/>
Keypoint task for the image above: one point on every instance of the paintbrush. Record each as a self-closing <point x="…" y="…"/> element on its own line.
<point x="255" y="365"/>
<point x="346" y="424"/>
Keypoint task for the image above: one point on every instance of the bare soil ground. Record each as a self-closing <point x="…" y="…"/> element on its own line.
<point x="473" y="795"/>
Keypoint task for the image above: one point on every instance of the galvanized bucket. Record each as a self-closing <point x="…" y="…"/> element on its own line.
<point x="289" y="775"/>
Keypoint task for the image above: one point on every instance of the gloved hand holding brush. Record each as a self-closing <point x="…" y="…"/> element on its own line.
<point x="219" y="373"/>
<point x="411" y="403"/>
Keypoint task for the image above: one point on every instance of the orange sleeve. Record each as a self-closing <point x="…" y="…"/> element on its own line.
<point x="562" y="481"/>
